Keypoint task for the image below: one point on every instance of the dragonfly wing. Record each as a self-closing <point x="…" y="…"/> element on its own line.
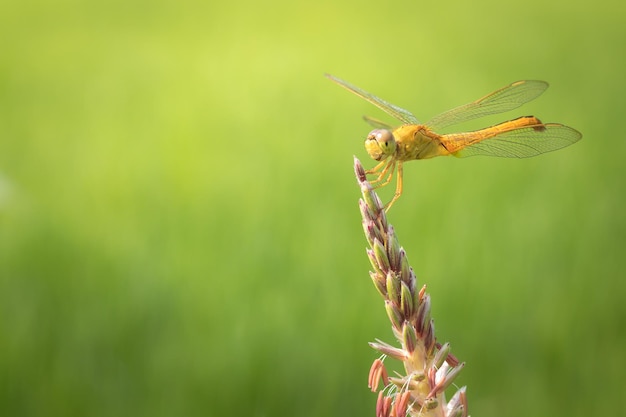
<point x="524" y="142"/>
<point x="507" y="98"/>
<point x="377" y="123"/>
<point x="399" y="113"/>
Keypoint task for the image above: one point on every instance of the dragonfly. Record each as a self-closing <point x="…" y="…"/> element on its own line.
<point x="522" y="137"/>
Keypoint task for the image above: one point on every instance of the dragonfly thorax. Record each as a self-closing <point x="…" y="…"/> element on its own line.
<point x="417" y="142"/>
<point x="380" y="144"/>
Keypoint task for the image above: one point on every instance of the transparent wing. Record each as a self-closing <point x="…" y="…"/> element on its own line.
<point x="399" y="113"/>
<point x="377" y="123"/>
<point x="507" y="98"/>
<point x="522" y="142"/>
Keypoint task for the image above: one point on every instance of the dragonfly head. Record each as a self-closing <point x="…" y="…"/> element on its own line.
<point x="380" y="144"/>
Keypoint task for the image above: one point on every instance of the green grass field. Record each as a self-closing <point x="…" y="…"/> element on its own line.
<point x="179" y="228"/>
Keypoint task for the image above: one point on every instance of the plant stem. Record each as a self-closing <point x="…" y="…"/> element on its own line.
<point x="430" y="368"/>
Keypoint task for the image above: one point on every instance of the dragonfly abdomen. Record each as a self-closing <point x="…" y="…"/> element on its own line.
<point x="457" y="141"/>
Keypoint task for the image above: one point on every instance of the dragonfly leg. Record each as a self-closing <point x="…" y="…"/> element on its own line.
<point x="378" y="182"/>
<point x="398" y="188"/>
<point x="376" y="169"/>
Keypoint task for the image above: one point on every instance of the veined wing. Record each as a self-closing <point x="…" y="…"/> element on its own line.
<point x="516" y="143"/>
<point x="379" y="124"/>
<point x="399" y="113"/>
<point x="507" y="98"/>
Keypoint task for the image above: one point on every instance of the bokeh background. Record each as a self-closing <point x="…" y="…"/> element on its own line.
<point x="179" y="231"/>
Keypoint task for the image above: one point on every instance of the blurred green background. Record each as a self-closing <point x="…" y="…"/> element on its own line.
<point x="179" y="231"/>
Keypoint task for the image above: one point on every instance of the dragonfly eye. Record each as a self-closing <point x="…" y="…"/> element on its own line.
<point x="380" y="144"/>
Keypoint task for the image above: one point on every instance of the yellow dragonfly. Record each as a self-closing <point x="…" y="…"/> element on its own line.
<point x="523" y="137"/>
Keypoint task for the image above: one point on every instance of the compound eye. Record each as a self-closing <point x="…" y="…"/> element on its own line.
<point x="384" y="137"/>
<point x="385" y="140"/>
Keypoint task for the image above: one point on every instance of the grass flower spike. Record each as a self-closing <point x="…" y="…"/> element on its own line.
<point x="429" y="367"/>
